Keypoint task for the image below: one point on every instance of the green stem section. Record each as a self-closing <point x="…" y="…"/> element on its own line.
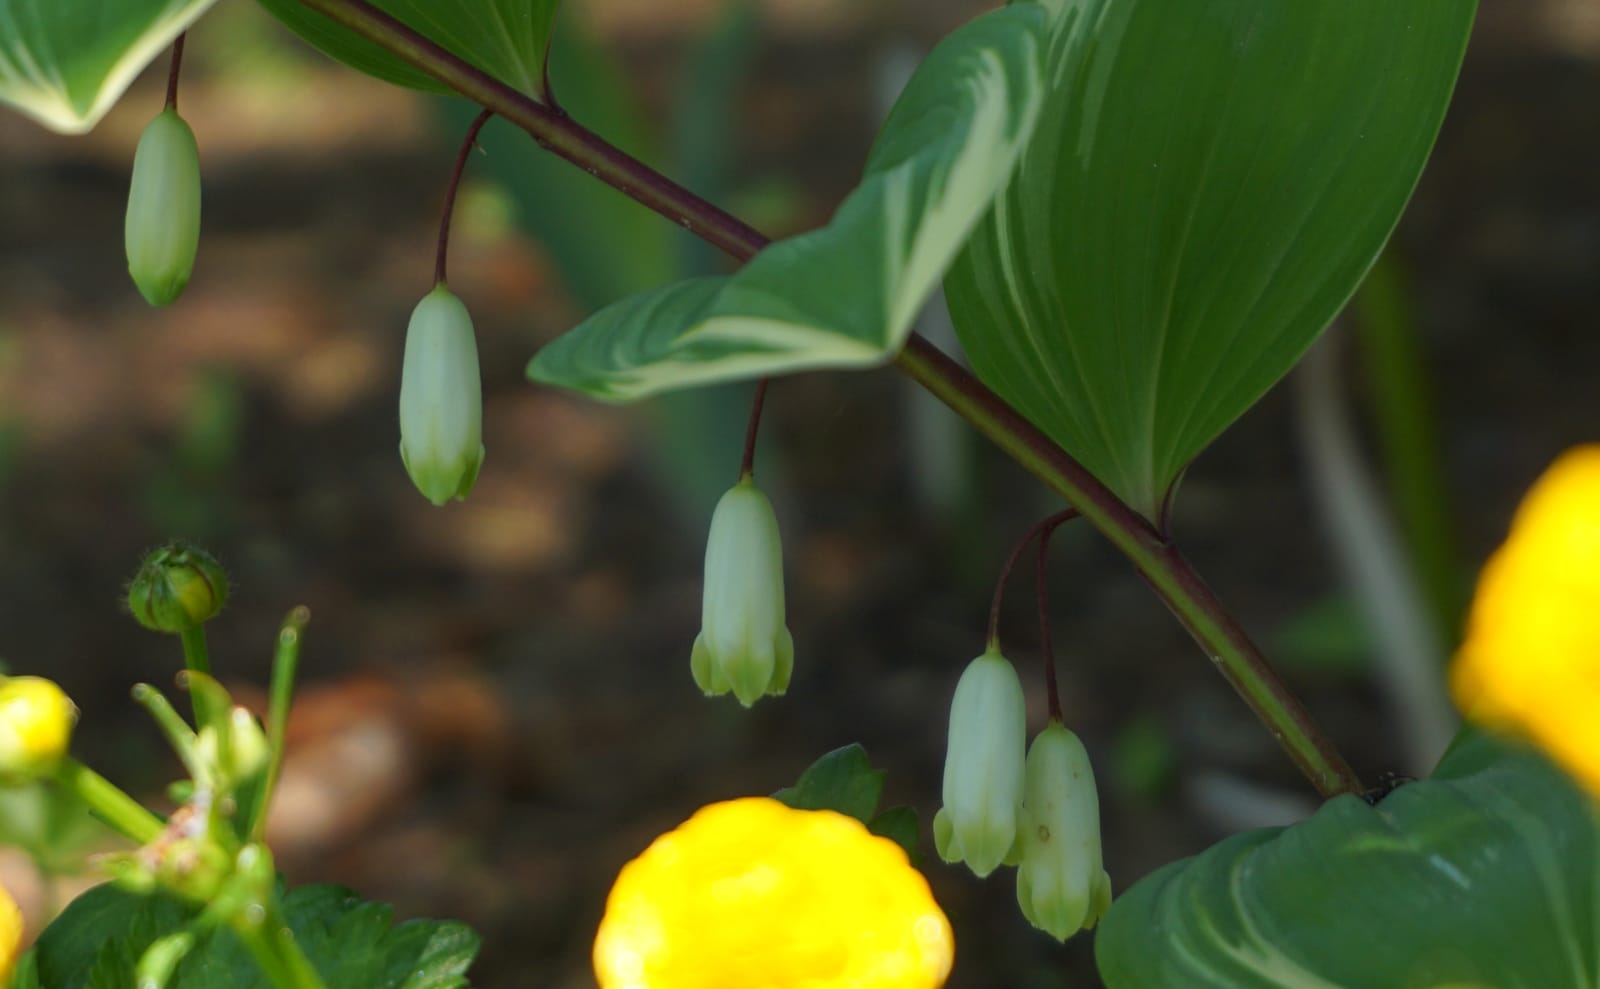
<point x="277" y="953"/>
<point x="107" y="802"/>
<point x="285" y="667"/>
<point x="197" y="659"/>
<point x="1168" y="573"/>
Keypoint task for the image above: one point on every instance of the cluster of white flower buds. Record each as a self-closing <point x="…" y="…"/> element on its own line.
<point x="1038" y="812"/>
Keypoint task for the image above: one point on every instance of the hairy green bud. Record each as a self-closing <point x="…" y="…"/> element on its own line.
<point x="162" y="232"/>
<point x="177" y="588"/>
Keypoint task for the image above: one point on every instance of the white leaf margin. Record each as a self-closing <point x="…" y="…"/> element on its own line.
<point x="40" y="91"/>
<point x="949" y="145"/>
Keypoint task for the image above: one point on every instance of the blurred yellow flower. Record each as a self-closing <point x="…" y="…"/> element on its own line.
<point x="36" y="721"/>
<point x="751" y="894"/>
<point x="1531" y="660"/>
<point x="10" y="935"/>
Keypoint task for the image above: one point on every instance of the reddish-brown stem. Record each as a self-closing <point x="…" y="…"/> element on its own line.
<point x="747" y="465"/>
<point x="1052" y="695"/>
<point x="1043" y="525"/>
<point x="173" y="70"/>
<point x="1152" y="554"/>
<point x="467" y="144"/>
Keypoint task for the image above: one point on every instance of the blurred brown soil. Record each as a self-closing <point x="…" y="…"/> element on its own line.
<point x="497" y="712"/>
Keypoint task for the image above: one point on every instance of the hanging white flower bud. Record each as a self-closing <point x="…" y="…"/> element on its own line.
<point x="1061" y="885"/>
<point x="983" y="766"/>
<point x="441" y="399"/>
<point x="744" y="645"/>
<point x="162" y="231"/>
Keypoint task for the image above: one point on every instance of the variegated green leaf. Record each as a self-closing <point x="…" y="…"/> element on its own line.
<point x="65" y="62"/>
<point x="845" y="295"/>
<point x="508" y="39"/>
<point x="1209" y="182"/>
<point x="1486" y="875"/>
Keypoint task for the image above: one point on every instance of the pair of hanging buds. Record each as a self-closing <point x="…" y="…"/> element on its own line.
<point x="1038" y="811"/>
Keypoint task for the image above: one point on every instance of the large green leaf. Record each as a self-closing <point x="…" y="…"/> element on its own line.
<point x="65" y="62"/>
<point x="99" y="938"/>
<point x="508" y="39"/>
<point x="845" y="295"/>
<point x="1208" y="184"/>
<point x="1487" y="875"/>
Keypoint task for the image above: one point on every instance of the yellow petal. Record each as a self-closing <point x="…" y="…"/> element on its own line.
<point x="751" y="894"/>
<point x="1531" y="660"/>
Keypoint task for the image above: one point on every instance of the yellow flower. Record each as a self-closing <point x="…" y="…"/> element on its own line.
<point x="1531" y="660"/>
<point x="751" y="894"/>
<point x="10" y="935"/>
<point x="36" y="721"/>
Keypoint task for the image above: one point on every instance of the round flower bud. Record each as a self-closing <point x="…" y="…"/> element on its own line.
<point x="36" y="721"/>
<point x="177" y="588"/>
<point x="744" y="645"/>
<point x="441" y="399"/>
<point x="751" y="893"/>
<point x="10" y="935"/>
<point x="983" y="766"/>
<point x="1061" y="886"/>
<point x="162" y="231"/>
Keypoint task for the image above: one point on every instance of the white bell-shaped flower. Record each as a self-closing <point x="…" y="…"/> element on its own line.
<point x="1061" y="885"/>
<point x="983" y="766"/>
<point x="744" y="645"/>
<point x="441" y="399"/>
<point x="162" y="228"/>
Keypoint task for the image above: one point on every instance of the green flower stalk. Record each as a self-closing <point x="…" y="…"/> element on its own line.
<point x="36" y="722"/>
<point x="1061" y="885"/>
<point x="983" y="767"/>
<point x="744" y="645"/>
<point x="162" y="232"/>
<point x="441" y="399"/>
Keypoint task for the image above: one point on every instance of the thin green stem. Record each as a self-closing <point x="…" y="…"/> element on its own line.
<point x="276" y="953"/>
<point x="285" y="667"/>
<point x="109" y="803"/>
<point x="1168" y="573"/>
<point x="197" y="659"/>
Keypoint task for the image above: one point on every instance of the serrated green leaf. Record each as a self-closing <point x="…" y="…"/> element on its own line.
<point x="899" y="825"/>
<point x="98" y="940"/>
<point x="1209" y="183"/>
<point x="508" y="39"/>
<point x="843" y="780"/>
<point x="845" y="295"/>
<point x="65" y="62"/>
<point x="1485" y="875"/>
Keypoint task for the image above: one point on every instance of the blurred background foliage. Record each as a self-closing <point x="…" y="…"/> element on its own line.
<point x="498" y="711"/>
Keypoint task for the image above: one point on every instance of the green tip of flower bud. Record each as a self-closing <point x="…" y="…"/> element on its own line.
<point x="36" y="722"/>
<point x="744" y="646"/>
<point x="177" y="588"/>
<point x="162" y="230"/>
<point x="441" y="399"/>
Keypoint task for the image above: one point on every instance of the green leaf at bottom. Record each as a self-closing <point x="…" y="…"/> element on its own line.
<point x="1486" y="875"/>
<point x="99" y="938"/>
